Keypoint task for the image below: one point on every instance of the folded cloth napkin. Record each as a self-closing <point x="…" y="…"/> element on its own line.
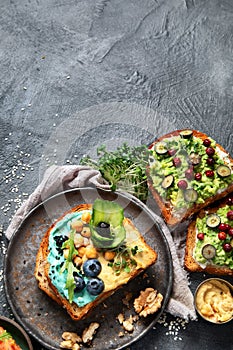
<point x="60" y="178"/>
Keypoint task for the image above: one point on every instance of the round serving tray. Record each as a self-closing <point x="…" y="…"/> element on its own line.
<point x="45" y="320"/>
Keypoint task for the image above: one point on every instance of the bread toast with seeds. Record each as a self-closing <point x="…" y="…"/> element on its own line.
<point x="139" y="257"/>
<point x="183" y="178"/>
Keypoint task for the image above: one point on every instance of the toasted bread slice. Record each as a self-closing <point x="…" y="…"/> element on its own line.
<point x="40" y="275"/>
<point x="143" y="258"/>
<point x="208" y="265"/>
<point x="171" y="212"/>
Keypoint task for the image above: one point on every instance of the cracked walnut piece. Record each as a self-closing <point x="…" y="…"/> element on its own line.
<point x="148" y="302"/>
<point x="73" y="341"/>
<point x="68" y="344"/>
<point x="89" y="332"/>
<point x="74" y="337"/>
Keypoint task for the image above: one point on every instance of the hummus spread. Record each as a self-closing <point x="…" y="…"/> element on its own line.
<point x="214" y="301"/>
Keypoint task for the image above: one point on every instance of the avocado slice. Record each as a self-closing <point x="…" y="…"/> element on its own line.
<point x="111" y="213"/>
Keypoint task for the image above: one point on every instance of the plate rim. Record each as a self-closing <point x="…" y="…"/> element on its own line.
<point x="125" y="195"/>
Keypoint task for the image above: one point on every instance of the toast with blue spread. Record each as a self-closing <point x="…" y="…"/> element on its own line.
<point x="87" y="254"/>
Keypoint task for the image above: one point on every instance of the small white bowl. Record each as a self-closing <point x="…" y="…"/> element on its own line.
<point x="18" y="333"/>
<point x="198" y="292"/>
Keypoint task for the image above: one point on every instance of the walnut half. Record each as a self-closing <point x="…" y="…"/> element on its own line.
<point x="148" y="302"/>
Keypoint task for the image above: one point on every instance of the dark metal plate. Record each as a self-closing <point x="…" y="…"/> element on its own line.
<point x="41" y="316"/>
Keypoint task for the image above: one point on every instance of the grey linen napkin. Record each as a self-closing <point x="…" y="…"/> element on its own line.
<point x="60" y="178"/>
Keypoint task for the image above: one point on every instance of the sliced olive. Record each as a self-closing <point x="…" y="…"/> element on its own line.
<point x="208" y="251"/>
<point x="186" y="134"/>
<point x="167" y="181"/>
<point x="213" y="220"/>
<point x="161" y="147"/>
<point x="190" y="195"/>
<point x="223" y="170"/>
<point x="194" y="158"/>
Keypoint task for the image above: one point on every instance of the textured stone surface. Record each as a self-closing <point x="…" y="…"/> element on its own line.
<point x="136" y="68"/>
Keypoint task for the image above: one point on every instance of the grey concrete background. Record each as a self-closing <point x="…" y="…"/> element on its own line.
<point x="88" y="61"/>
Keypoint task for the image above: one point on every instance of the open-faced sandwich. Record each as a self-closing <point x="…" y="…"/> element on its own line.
<point x="187" y="171"/>
<point x="209" y="241"/>
<point x="88" y="253"/>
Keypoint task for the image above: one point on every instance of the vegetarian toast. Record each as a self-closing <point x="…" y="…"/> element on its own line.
<point x="87" y="254"/>
<point x="209" y="240"/>
<point x="187" y="171"/>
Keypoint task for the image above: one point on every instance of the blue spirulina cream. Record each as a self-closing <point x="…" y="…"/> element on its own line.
<point x="56" y="260"/>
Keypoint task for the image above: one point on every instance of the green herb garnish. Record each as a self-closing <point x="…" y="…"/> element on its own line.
<point x="5" y="335"/>
<point x="69" y="266"/>
<point x="123" y="260"/>
<point x="124" y="169"/>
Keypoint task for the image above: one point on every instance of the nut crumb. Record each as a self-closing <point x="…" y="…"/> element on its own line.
<point x="148" y="302"/>
<point x="120" y="318"/>
<point x="66" y="344"/>
<point x="128" y="297"/>
<point x="128" y="326"/>
<point x="89" y="332"/>
<point x="135" y="318"/>
<point x="73" y="341"/>
<point x="121" y="334"/>
<point x="74" y="337"/>
<point x="128" y="323"/>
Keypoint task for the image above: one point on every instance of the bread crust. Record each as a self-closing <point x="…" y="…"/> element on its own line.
<point x="166" y="207"/>
<point x="189" y="262"/>
<point x="45" y="283"/>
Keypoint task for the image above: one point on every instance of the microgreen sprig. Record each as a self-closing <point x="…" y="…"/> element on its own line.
<point x="124" y="169"/>
<point x="124" y="260"/>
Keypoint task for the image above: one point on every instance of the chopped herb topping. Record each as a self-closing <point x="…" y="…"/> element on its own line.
<point x="5" y="335"/>
<point x="123" y="260"/>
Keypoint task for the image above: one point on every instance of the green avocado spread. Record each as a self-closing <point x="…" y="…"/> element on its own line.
<point x="221" y="258"/>
<point x="192" y="156"/>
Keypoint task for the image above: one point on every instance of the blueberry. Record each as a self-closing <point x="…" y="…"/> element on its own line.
<point x="95" y="286"/>
<point x="79" y="283"/>
<point x="92" y="267"/>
